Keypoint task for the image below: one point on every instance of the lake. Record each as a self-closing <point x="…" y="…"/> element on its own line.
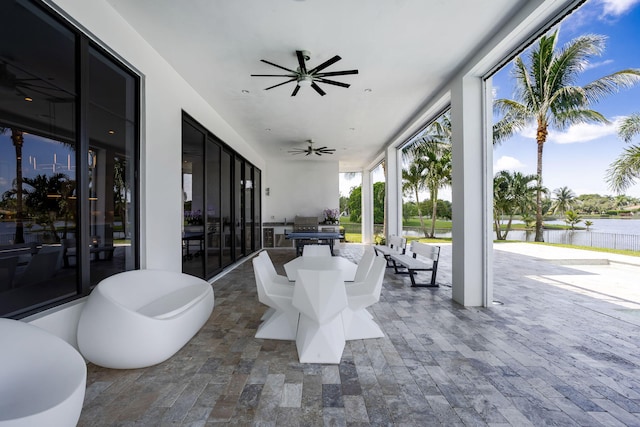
<point x="604" y="233"/>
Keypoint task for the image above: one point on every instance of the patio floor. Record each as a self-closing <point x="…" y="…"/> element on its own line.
<point x="559" y="347"/>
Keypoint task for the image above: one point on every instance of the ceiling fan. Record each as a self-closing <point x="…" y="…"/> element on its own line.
<point x="310" y="150"/>
<point x="305" y="77"/>
<point x="26" y="87"/>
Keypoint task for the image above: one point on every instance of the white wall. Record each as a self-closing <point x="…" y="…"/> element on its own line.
<point x="299" y="188"/>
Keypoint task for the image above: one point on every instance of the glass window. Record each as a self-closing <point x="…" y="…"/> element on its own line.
<point x="47" y="203"/>
<point x="112" y="132"/>
<point x="220" y="203"/>
<point x="193" y="200"/>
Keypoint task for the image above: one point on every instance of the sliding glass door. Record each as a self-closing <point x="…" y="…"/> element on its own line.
<point x="219" y="203"/>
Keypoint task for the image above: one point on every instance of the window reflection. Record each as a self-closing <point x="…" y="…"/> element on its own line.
<point x="67" y="189"/>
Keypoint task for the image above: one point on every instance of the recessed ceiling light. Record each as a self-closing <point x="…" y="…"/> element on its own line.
<point x="245" y="91"/>
<point x="367" y="90"/>
<point x="28" y="99"/>
<point x="268" y="129"/>
<point x="111" y="131"/>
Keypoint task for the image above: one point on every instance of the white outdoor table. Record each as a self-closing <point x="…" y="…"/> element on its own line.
<point x="346" y="267"/>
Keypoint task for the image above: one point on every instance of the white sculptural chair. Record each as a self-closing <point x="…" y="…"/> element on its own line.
<point x="42" y="377"/>
<point x="364" y="265"/>
<point x="320" y="296"/>
<point x="274" y="277"/>
<point x="282" y="323"/>
<point x="358" y="322"/>
<point x="316" y="250"/>
<point x="139" y="318"/>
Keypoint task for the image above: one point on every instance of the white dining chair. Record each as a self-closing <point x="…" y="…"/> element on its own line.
<point x="364" y="265"/>
<point x="320" y="296"/>
<point x="316" y="250"/>
<point x="357" y="321"/>
<point x="271" y="270"/>
<point x="282" y="323"/>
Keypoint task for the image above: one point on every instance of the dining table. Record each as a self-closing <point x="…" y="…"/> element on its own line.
<point x="321" y="263"/>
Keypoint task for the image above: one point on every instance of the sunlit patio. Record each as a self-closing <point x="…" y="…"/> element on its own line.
<point x="555" y="349"/>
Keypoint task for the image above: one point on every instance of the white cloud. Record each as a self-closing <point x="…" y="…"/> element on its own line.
<point x="577" y="133"/>
<point x="507" y="163"/>
<point x="592" y="65"/>
<point x="582" y="132"/>
<point x="616" y="8"/>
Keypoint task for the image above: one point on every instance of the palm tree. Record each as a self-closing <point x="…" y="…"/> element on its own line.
<point x="433" y="152"/>
<point x="17" y="138"/>
<point x="623" y="172"/>
<point x="512" y="193"/>
<point x="547" y="95"/>
<point x="413" y="183"/>
<point x="572" y="219"/>
<point x="564" y="200"/>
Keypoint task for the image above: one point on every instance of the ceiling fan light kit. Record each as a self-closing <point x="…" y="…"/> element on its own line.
<point x="305" y="77"/>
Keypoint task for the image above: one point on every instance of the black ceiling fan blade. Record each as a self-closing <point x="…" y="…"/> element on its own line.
<point x="336" y="73"/>
<point x="303" y="67"/>
<point x="297" y="151"/>
<point x="327" y="151"/>
<point x="332" y="82"/>
<point x="318" y="153"/>
<point x="280" y="84"/>
<point x="295" y="91"/>
<point x="318" y="89"/>
<point x="273" y="75"/>
<point x="325" y="64"/>
<point x="279" y="66"/>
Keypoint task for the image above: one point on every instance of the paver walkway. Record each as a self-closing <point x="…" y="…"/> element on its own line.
<point x="561" y="350"/>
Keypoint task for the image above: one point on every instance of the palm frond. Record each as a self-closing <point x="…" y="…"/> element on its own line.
<point x="629" y="127"/>
<point x="624" y="171"/>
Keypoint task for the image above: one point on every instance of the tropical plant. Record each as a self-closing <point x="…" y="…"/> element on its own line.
<point x="432" y="153"/>
<point x="17" y="138"/>
<point x="49" y="199"/>
<point x="547" y="95"/>
<point x="624" y="171"/>
<point x="513" y="193"/>
<point x="572" y="218"/>
<point x="565" y="198"/>
<point x="413" y="183"/>
<point x="588" y="224"/>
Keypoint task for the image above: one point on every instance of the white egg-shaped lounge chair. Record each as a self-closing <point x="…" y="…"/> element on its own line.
<point x="42" y="378"/>
<point x="140" y="318"/>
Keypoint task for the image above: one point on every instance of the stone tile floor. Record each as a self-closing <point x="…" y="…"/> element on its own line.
<point x="552" y="354"/>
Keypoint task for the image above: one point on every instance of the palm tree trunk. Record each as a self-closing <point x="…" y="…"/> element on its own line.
<point x="18" y="139"/>
<point x="541" y="137"/>
<point x="420" y="213"/>
<point x="434" y="211"/>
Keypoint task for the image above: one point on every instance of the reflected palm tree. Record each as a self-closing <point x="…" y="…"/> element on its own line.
<point x="17" y="137"/>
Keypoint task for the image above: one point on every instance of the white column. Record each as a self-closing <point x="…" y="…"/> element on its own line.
<point x="472" y="209"/>
<point x="367" y="207"/>
<point x="393" y="191"/>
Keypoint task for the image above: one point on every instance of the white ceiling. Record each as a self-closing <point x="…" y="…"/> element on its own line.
<point x="405" y="50"/>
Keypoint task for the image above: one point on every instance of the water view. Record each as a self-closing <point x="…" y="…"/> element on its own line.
<point x="604" y="233"/>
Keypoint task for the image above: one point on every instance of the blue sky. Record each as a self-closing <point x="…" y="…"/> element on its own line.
<point x="579" y="156"/>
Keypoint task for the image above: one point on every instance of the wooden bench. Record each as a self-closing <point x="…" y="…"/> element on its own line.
<point x="421" y="257"/>
<point x="395" y="245"/>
